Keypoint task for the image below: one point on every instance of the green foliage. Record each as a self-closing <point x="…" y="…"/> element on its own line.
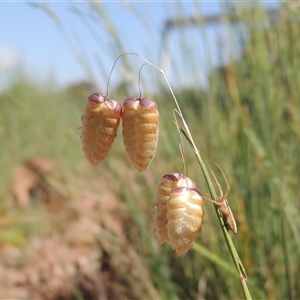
<point x="37" y="120"/>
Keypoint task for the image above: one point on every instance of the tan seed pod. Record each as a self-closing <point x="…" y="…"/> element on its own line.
<point x="169" y="183"/>
<point x="184" y="218"/>
<point x="140" y="130"/>
<point x="100" y="122"/>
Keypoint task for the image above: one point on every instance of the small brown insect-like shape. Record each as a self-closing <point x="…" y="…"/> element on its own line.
<point x="100" y="122"/>
<point x="140" y="130"/>
<point x="223" y="205"/>
<point x="169" y="183"/>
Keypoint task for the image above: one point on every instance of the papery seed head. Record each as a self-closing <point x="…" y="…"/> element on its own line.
<point x="140" y="130"/>
<point x="170" y="182"/>
<point x="184" y="218"/>
<point x="100" y="122"/>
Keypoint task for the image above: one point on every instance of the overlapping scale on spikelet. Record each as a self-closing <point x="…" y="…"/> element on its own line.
<point x="169" y="182"/>
<point x="177" y="212"/>
<point x="184" y="218"/>
<point x="140" y="119"/>
<point x="100" y="122"/>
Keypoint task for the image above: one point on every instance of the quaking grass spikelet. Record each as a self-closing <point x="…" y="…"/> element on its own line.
<point x="169" y="182"/>
<point x="100" y="122"/>
<point x="140" y="130"/>
<point x="184" y="218"/>
<point x="178" y="212"/>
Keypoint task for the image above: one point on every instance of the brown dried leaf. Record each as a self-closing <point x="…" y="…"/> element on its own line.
<point x="24" y="181"/>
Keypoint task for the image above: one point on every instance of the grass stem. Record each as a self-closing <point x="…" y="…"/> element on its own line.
<point x="184" y="129"/>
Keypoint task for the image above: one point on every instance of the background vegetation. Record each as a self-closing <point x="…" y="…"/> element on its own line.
<point x="247" y="120"/>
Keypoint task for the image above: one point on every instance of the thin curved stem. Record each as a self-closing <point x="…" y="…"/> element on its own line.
<point x="139" y="80"/>
<point x="184" y="129"/>
<point x="109" y="76"/>
<point x="239" y="266"/>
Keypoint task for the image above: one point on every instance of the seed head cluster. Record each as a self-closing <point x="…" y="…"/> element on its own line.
<point x="179" y="208"/>
<point x="100" y="122"/>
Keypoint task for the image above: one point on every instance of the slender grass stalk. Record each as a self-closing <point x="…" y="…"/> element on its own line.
<point x="215" y="258"/>
<point x="239" y="266"/>
<point x="184" y="129"/>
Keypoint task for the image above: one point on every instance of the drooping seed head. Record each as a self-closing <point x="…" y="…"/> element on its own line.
<point x="100" y="122"/>
<point x="170" y="182"/>
<point x="184" y="218"/>
<point x="140" y="130"/>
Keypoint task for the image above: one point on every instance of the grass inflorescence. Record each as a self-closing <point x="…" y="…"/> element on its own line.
<point x="247" y="121"/>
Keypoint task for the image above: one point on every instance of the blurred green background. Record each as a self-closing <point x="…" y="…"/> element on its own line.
<point x="246" y="117"/>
